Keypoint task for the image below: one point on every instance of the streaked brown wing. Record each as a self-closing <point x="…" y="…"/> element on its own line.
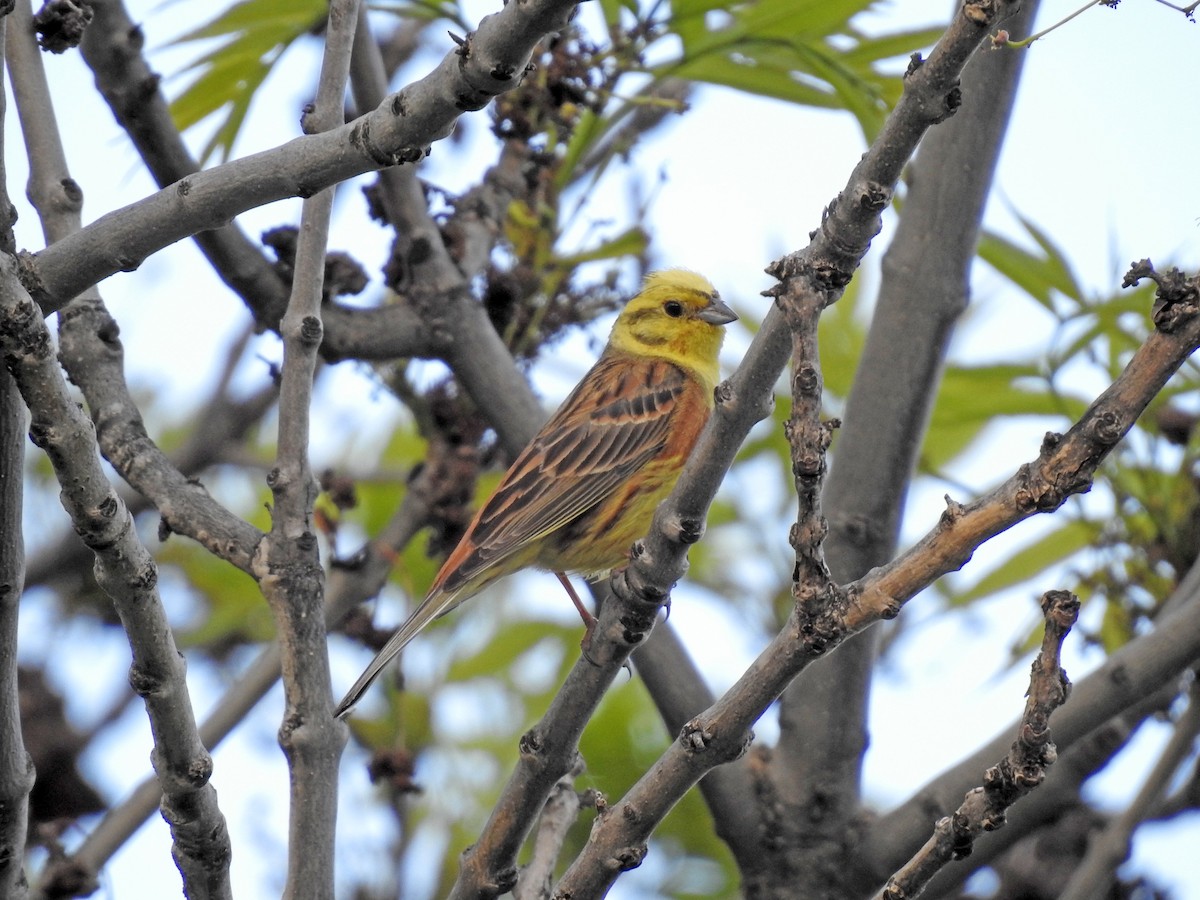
<point x="613" y="423"/>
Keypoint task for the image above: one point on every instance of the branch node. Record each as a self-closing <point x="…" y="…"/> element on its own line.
<point x="531" y="743"/>
<point x="310" y="331"/>
<point x="952" y="513"/>
<point x="695" y="737"/>
<point x="724" y="394"/>
<point x="874" y="197"/>
<point x="629" y="857"/>
<point x="980" y="12"/>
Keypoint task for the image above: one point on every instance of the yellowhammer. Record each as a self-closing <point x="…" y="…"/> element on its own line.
<point x="587" y="485"/>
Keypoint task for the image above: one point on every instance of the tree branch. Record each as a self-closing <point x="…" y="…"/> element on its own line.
<point x="124" y="569"/>
<point x="558" y="815"/>
<point x="288" y="562"/>
<point x="1061" y="791"/>
<point x="815" y="770"/>
<point x="16" y="765"/>
<point x="1110" y="848"/>
<point x="930" y="95"/>
<point x="1065" y="467"/>
<point x="349" y="584"/>
<point x="1023" y="769"/>
<point x="112" y="48"/>
<point x="128" y="575"/>
<point x="1131" y="674"/>
<point x="401" y="130"/>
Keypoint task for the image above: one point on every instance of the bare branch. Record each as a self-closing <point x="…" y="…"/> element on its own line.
<point x="657" y="562"/>
<point x="814" y="778"/>
<point x="16" y="766"/>
<point x="1061" y="791"/>
<point x="288" y="562"/>
<point x="128" y="575"/>
<point x="558" y="815"/>
<point x="1022" y="770"/>
<point x="1066" y="467"/>
<point x="112" y="47"/>
<point x="124" y="568"/>
<point x="92" y="352"/>
<point x="1138" y="670"/>
<point x="1110" y="848"/>
<point x="350" y="583"/>
<point x="401" y="130"/>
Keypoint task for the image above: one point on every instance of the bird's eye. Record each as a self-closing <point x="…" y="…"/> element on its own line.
<point x="673" y="308"/>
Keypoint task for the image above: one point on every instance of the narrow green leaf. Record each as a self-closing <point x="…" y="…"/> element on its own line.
<point x="283" y="16"/>
<point x="259" y="31"/>
<point x="971" y="397"/>
<point x="631" y="242"/>
<point x="511" y="642"/>
<point x="1050" y="550"/>
<point x="870" y="50"/>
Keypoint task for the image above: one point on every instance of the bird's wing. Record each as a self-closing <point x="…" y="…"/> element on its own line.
<point x="616" y="421"/>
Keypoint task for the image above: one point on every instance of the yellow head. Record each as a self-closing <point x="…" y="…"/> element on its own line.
<point x="678" y="316"/>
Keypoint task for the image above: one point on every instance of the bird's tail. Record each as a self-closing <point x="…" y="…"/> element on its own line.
<point x="431" y="607"/>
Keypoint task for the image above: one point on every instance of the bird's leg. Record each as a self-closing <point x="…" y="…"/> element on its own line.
<point x="589" y="621"/>
<point x="584" y="613"/>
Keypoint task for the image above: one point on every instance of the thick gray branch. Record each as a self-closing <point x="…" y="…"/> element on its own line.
<point x="126" y="572"/>
<point x="16" y="766"/>
<point x="288" y="562"/>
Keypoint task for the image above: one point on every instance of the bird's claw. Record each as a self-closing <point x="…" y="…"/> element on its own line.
<point x="585" y="644"/>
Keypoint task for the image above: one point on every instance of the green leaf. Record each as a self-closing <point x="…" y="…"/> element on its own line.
<point x="972" y="397"/>
<point x="1059" y="545"/>
<point x="621" y="741"/>
<point x="258" y="33"/>
<point x="1116" y="628"/>
<point x="632" y="242"/>
<point x="235" y="610"/>
<point x="871" y="50"/>
<point x="801" y="52"/>
<point x="428" y="11"/>
<point x="754" y="78"/>
<point x="513" y="641"/>
<point x="1037" y="274"/>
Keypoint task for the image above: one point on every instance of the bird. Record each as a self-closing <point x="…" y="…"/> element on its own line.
<point x="586" y="487"/>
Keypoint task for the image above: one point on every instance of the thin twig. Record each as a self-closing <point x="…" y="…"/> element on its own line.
<point x="16" y="767"/>
<point x="930" y="96"/>
<point x="349" y="585"/>
<point x="1110" y="848"/>
<point x="1149" y="664"/>
<point x="1065" y="467"/>
<point x="1021" y="771"/>
<point x="558" y="815"/>
<point x="1062" y="790"/>
<point x="1002" y="39"/>
<point x="401" y="130"/>
<point x="811" y="783"/>
<point x="287" y="563"/>
<point x="126" y="572"/>
<point x="124" y="568"/>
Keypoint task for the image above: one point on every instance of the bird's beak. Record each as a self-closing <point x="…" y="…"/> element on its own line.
<point x="716" y="313"/>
